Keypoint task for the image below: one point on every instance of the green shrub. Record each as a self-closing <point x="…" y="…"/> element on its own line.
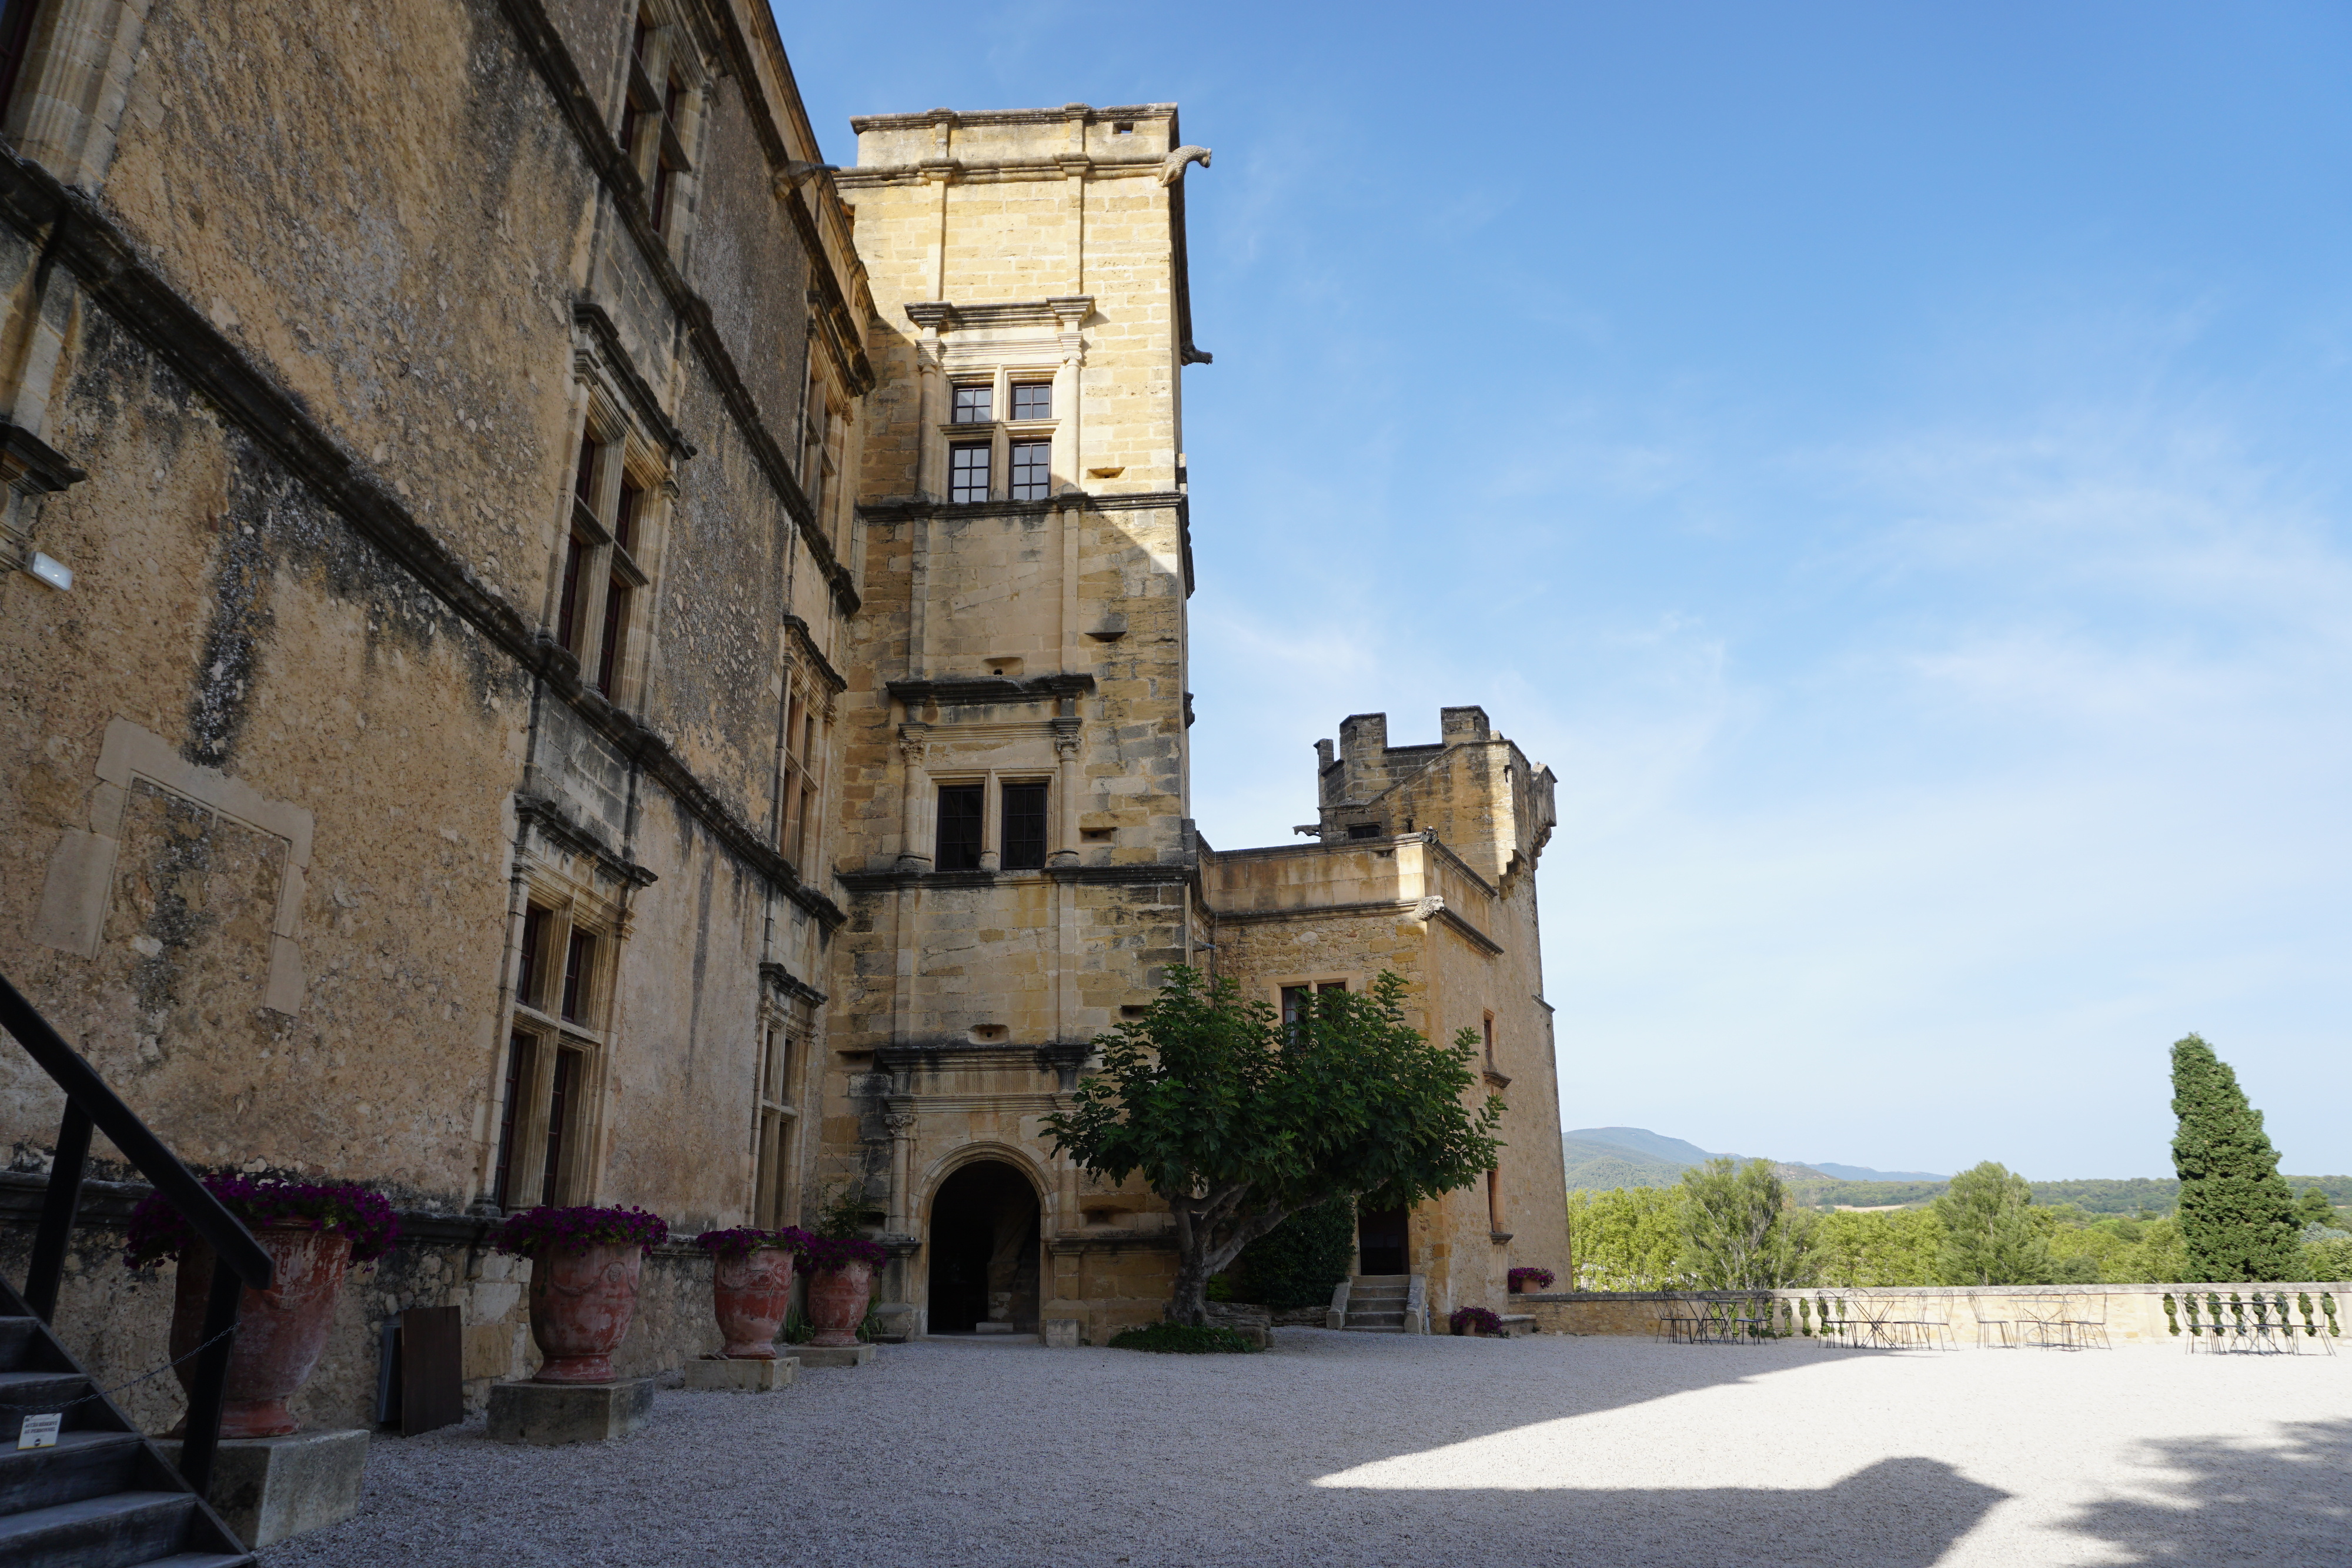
<point x="1182" y="1338"/>
<point x="1297" y="1263"/>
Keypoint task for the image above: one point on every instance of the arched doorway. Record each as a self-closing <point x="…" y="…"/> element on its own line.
<point x="984" y="1251"/>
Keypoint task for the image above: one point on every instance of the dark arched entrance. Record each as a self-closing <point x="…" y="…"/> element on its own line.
<point x="984" y="1248"/>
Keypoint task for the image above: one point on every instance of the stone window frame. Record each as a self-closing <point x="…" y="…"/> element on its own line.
<point x="802" y="763"/>
<point x="992" y="783"/>
<point x="1000" y="433"/>
<point x="79" y="888"/>
<point x="571" y="908"/>
<point x="1321" y="980"/>
<point x="826" y="417"/>
<point x="660" y="58"/>
<point x="625" y="453"/>
<point x="784" y="1051"/>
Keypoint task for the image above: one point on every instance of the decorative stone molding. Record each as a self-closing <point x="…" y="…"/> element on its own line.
<point x="29" y="468"/>
<point x="790" y="984"/>
<point x="81" y="884"/>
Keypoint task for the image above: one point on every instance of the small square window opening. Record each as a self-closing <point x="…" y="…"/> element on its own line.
<point x="1032" y="399"/>
<point x="974" y="405"/>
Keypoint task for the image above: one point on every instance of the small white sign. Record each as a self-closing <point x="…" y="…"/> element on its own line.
<point x="40" y="1432"/>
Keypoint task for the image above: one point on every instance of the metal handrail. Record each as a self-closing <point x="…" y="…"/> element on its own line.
<point x="239" y="1262"/>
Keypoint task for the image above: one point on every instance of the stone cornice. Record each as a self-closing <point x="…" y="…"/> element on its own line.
<point x="591" y="319"/>
<point x="798" y="629"/>
<point x="790" y="984"/>
<point x="113" y="276"/>
<point x="1172" y="875"/>
<point x="1061" y="114"/>
<point x="965" y="691"/>
<point x="550" y="818"/>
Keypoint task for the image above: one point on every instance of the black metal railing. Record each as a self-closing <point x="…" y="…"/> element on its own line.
<point x="238" y="1261"/>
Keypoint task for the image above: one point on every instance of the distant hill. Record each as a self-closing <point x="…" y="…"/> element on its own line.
<point x="1602" y="1167"/>
<point x="1864" y="1172"/>
<point x="1644" y="1143"/>
<point x="1604" y="1157"/>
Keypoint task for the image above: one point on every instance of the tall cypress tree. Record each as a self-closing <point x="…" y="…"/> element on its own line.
<point x="2237" y="1217"/>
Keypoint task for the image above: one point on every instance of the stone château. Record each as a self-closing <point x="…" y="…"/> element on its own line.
<point x="556" y="648"/>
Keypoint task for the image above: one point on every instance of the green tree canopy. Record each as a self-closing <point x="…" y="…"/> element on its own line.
<point x="1740" y="1232"/>
<point x="1991" y="1235"/>
<point x="2312" y="1207"/>
<point x="1237" y="1121"/>
<point x="2237" y="1215"/>
<point x="1624" y="1239"/>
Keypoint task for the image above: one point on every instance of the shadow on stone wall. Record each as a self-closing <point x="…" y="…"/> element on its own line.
<point x="2218" y="1500"/>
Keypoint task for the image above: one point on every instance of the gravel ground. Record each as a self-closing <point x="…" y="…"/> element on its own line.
<point x="1372" y="1449"/>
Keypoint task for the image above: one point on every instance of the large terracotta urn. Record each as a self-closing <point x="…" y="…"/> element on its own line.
<point x="280" y="1332"/>
<point x="750" y="1294"/>
<point x="837" y="1294"/>
<point x="581" y="1300"/>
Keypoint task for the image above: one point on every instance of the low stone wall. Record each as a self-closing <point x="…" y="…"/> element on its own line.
<point x="117" y="1322"/>
<point x="2131" y="1314"/>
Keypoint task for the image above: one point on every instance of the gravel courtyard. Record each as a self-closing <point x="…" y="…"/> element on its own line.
<point x="1375" y="1450"/>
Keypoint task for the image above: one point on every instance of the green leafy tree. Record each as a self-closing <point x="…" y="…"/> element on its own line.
<point x="1237" y="1121"/>
<point x="2312" y="1207"/>
<point x="1624" y="1239"/>
<point x="2236" y="1213"/>
<point x="1992" y="1236"/>
<point x="1740" y="1232"/>
<point x="1865" y="1251"/>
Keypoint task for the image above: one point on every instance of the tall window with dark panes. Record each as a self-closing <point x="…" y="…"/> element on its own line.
<point x="968" y="471"/>
<point x="1032" y="399"/>
<point x="1023" y="833"/>
<point x="961" y="814"/>
<point x="561" y="1112"/>
<point x="1033" y="478"/>
<point x="653" y="113"/>
<point x="570" y="615"/>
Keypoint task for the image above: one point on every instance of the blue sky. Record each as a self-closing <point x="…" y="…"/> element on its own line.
<point x="1888" y="459"/>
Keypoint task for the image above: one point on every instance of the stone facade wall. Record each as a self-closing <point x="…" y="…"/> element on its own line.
<point x="2131" y="1314"/>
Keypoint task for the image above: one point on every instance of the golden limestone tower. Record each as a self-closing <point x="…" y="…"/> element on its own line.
<point x="1017" y="850"/>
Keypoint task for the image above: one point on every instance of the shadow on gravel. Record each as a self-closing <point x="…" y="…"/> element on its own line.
<point x="1897" y="1513"/>
<point x="2230" y="1501"/>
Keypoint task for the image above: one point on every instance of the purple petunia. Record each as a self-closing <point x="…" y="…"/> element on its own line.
<point x="743" y="1242"/>
<point x="1474" y="1320"/>
<point x="831" y="1252"/>
<point x="1532" y="1278"/>
<point x="535" y="1231"/>
<point x="159" y="1233"/>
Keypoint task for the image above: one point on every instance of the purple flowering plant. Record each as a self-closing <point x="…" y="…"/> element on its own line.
<point x="831" y="1252"/>
<point x="159" y="1233"/>
<point x="1474" y="1320"/>
<point x="535" y="1231"/>
<point x="1532" y="1278"/>
<point x="742" y="1241"/>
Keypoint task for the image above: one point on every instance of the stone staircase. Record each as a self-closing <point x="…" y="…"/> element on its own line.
<point x="103" y="1498"/>
<point x="1377" y="1302"/>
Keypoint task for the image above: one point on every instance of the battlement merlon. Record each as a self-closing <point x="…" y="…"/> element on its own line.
<point x="1474" y="786"/>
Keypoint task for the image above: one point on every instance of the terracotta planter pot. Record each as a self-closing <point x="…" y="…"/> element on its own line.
<point x="836" y="1301"/>
<point x="280" y="1331"/>
<point x="750" y="1295"/>
<point x="581" y="1303"/>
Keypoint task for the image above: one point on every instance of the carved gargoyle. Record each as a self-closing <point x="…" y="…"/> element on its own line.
<point x="1171" y="168"/>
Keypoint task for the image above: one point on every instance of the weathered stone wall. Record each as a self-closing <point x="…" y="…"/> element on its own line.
<point x="2131" y="1314"/>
